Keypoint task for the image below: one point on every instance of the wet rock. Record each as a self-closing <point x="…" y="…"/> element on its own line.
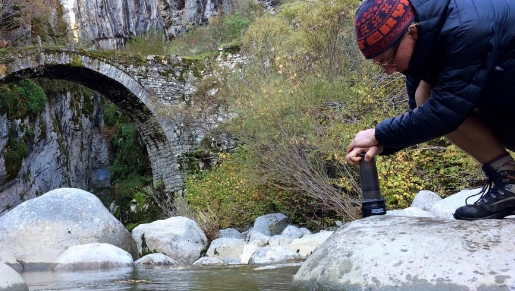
<point x="39" y="230"/>
<point x="226" y="247"/>
<point x="271" y="224"/>
<point x="92" y="257"/>
<point x="10" y="280"/>
<point x="413" y="253"/>
<point x="218" y="261"/>
<point x="177" y="237"/>
<point x="273" y="254"/>
<point x="157" y="260"/>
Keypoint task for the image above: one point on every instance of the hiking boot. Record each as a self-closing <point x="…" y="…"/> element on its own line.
<point x="497" y="198"/>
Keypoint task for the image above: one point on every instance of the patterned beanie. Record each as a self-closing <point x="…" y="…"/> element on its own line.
<point x="380" y="23"/>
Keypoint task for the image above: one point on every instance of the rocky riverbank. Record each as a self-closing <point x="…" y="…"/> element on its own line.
<point x="70" y="230"/>
<point x="418" y="248"/>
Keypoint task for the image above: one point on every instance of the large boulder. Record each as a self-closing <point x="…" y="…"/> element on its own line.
<point x="413" y="253"/>
<point x="39" y="230"/>
<point x="10" y="280"/>
<point x="271" y="224"/>
<point x="226" y="248"/>
<point x="93" y="256"/>
<point x="177" y="237"/>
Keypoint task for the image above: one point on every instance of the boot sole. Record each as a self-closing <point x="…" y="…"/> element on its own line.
<point x="498" y="215"/>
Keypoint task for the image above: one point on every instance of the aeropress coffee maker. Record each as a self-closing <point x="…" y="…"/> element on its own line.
<point x="373" y="202"/>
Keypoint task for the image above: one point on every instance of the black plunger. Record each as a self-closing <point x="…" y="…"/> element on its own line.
<point x="373" y="202"/>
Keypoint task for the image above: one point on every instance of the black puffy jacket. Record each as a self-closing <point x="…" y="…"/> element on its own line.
<point x="466" y="51"/>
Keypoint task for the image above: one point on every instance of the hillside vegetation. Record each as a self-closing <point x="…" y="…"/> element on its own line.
<point x="299" y="101"/>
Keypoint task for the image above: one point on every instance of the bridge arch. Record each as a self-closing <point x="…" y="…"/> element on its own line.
<point x="128" y="90"/>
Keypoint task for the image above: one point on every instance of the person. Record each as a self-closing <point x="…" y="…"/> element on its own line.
<point x="458" y="58"/>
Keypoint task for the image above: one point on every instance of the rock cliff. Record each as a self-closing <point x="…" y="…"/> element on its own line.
<point x="66" y="149"/>
<point x="109" y="23"/>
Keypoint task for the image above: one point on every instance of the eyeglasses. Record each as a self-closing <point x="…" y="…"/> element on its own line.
<point x="389" y="62"/>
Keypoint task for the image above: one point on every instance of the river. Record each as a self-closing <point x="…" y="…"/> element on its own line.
<point x="219" y="278"/>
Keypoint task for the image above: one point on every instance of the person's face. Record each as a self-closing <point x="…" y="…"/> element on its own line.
<point x="397" y="58"/>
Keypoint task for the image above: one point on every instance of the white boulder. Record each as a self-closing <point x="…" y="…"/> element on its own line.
<point x="277" y="240"/>
<point x="10" y="280"/>
<point x="226" y="248"/>
<point x="305" y="245"/>
<point x="425" y="200"/>
<point x="177" y="237"/>
<point x="249" y="250"/>
<point x="91" y="257"/>
<point x="38" y="230"/>
<point x="445" y="208"/>
<point x="256" y="236"/>
<point x="413" y="253"/>
<point x="273" y="254"/>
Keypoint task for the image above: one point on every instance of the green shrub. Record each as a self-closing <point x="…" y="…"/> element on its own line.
<point x="21" y="99"/>
<point x="150" y="43"/>
<point x="131" y="154"/>
<point x="227" y="192"/>
<point x="16" y="150"/>
<point x="436" y="166"/>
<point x="234" y="25"/>
<point x="111" y="113"/>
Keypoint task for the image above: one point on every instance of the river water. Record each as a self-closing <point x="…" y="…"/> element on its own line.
<point x="248" y="278"/>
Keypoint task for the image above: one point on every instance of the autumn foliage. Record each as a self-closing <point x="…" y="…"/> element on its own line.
<point x="299" y="101"/>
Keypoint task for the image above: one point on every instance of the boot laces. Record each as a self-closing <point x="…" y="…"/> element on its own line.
<point x="484" y="191"/>
<point x="494" y="186"/>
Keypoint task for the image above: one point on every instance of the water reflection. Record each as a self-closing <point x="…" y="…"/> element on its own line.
<point x="160" y="279"/>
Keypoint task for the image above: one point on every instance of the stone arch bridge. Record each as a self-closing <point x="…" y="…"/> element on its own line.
<point x="141" y="87"/>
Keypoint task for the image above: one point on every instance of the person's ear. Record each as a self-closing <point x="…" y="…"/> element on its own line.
<point x="413" y="31"/>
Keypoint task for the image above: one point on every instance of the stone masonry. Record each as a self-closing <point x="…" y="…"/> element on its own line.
<point x="146" y="89"/>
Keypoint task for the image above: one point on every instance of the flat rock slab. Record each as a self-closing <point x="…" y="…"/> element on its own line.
<point x="413" y="253"/>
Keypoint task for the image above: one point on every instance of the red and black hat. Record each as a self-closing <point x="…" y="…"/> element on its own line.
<point x="380" y="23"/>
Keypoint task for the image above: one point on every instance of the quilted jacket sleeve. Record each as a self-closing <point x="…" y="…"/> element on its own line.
<point x="467" y="62"/>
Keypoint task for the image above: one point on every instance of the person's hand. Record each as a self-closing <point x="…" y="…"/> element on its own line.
<point x="364" y="142"/>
